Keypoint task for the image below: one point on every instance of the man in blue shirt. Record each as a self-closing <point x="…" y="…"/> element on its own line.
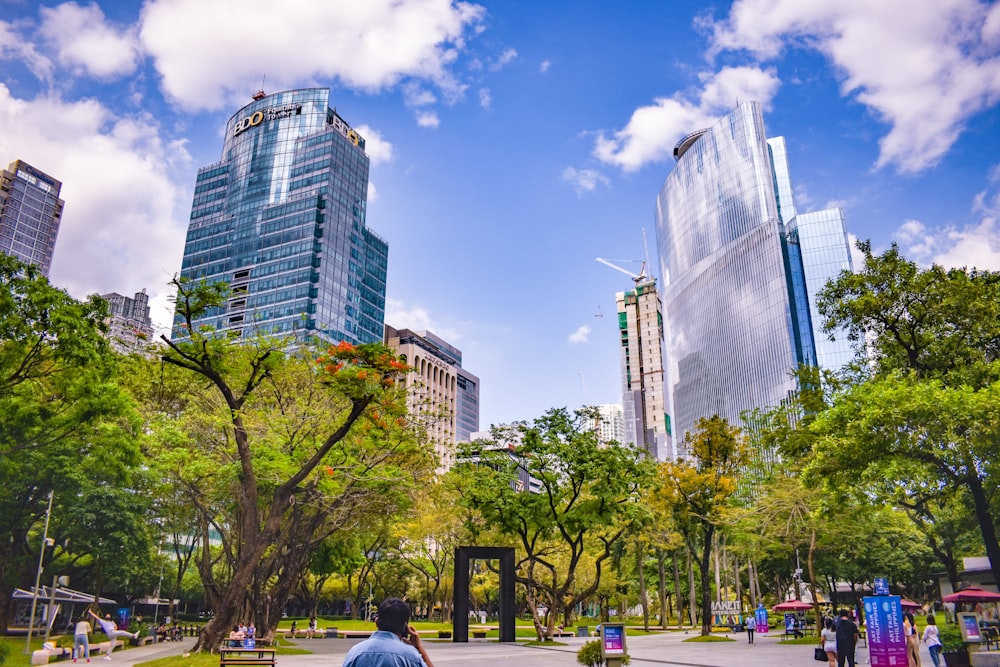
<point x="394" y="644"/>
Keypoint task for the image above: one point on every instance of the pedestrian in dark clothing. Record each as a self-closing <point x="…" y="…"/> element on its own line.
<point x="750" y="623"/>
<point x="847" y="639"/>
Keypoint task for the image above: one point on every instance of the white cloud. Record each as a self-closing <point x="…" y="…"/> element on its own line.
<point x="975" y="245"/>
<point x="228" y="44"/>
<point x="652" y="131"/>
<point x="415" y="95"/>
<point x="581" y="335"/>
<point x="83" y="39"/>
<point x="428" y="119"/>
<point x="584" y="180"/>
<point x="378" y="149"/>
<point x="485" y="99"/>
<point x="507" y="57"/>
<point x="14" y="46"/>
<point x="123" y="230"/>
<point x="416" y="318"/>
<point x="544" y="67"/>
<point x="924" y="70"/>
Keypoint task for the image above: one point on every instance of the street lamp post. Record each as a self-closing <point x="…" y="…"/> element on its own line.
<point x="38" y="575"/>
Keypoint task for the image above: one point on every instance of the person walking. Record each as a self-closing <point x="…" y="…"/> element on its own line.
<point x="111" y="630"/>
<point x="828" y="640"/>
<point x="81" y="639"/>
<point x="394" y="644"/>
<point x="750" y="624"/>
<point x="912" y="640"/>
<point x="933" y="640"/>
<point x="847" y="639"/>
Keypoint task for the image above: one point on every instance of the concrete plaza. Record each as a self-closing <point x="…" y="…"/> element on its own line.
<point x="659" y="649"/>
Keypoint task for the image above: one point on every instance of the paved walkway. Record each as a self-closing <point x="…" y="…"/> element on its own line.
<point x="660" y="649"/>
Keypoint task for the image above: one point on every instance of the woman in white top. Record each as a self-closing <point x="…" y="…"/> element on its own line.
<point x="829" y="642"/>
<point x="933" y="640"/>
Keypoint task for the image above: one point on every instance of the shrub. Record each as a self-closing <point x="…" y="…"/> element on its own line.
<point x="589" y="655"/>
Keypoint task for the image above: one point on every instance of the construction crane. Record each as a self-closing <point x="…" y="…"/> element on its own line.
<point x="641" y="277"/>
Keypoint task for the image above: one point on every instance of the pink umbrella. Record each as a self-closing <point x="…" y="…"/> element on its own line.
<point x="972" y="594"/>
<point x="793" y="605"/>
<point x="909" y="604"/>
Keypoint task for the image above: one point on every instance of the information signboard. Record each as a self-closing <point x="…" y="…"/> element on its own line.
<point x="969" y="623"/>
<point x="612" y="639"/>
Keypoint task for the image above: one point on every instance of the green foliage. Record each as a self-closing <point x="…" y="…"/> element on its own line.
<point x="275" y="448"/>
<point x="589" y="497"/>
<point x="951" y="637"/>
<point x="921" y="424"/>
<point x="67" y="426"/>
<point x="590" y="654"/>
<point x="697" y="492"/>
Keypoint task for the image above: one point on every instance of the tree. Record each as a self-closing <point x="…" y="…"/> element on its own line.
<point x="278" y="449"/>
<point x="67" y="425"/>
<point x="587" y="499"/>
<point x="933" y="335"/>
<point x="902" y="436"/>
<point x="697" y="493"/>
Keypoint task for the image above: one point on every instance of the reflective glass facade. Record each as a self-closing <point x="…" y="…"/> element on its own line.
<point x="736" y="293"/>
<point x="822" y="239"/>
<point x="30" y="213"/>
<point x="281" y="220"/>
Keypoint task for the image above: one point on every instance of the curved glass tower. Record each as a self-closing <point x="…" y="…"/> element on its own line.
<point x="281" y="220"/>
<point x="736" y="291"/>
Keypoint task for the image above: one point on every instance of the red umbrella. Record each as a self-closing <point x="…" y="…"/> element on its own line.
<point x="972" y="594"/>
<point x="793" y="605"/>
<point x="909" y="604"/>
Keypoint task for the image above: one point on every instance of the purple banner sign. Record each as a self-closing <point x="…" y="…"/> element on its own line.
<point x="884" y="622"/>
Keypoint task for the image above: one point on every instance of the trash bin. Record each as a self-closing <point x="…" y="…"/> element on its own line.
<point x="330" y="633"/>
<point x="583" y="631"/>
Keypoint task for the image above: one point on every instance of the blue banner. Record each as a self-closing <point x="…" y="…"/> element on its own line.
<point x="884" y="622"/>
<point x="760" y="615"/>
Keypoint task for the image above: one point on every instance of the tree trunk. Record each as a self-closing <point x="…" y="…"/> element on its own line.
<point x="640" y="557"/>
<point x="985" y="519"/>
<point x="706" y="587"/>
<point x="677" y="590"/>
<point x="661" y="573"/>
<point x="812" y="582"/>
<point x="692" y="590"/>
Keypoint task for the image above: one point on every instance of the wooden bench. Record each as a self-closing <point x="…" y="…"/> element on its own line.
<point x="246" y="656"/>
<point x="354" y="634"/>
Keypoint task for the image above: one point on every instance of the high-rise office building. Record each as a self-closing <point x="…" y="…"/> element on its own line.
<point x="30" y="212"/>
<point x="281" y="220"/>
<point x="740" y="268"/>
<point x="640" y="327"/>
<point x="610" y="424"/>
<point x="441" y="394"/>
<point x="130" y="328"/>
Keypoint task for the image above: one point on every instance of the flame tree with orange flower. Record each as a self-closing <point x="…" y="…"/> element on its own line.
<point x="276" y="448"/>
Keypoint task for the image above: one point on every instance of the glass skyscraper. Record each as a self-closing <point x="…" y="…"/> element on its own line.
<point x="740" y="270"/>
<point x="281" y="220"/>
<point x="30" y="212"/>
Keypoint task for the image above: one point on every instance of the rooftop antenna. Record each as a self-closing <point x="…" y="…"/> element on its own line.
<point x="260" y="94"/>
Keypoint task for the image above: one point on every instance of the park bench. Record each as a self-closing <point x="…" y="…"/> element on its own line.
<point x="479" y="634"/>
<point x="43" y="656"/>
<point x="246" y="656"/>
<point x="354" y="634"/>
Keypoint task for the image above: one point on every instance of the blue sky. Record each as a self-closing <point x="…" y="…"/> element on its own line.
<point x="511" y="142"/>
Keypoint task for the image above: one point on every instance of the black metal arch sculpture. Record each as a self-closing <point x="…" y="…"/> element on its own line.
<point x="461" y="606"/>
